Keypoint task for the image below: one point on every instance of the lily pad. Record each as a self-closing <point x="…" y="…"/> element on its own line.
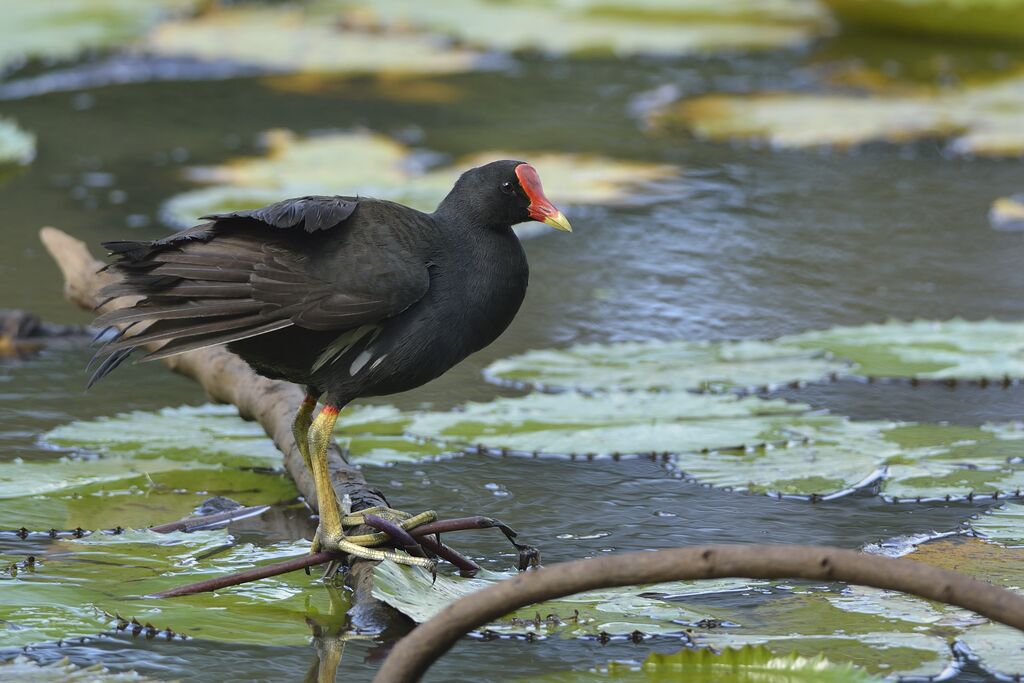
<point x="806" y="623"/>
<point x="378" y="166"/>
<point x="608" y="26"/>
<point x="1007" y="213"/>
<point x="1004" y="525"/>
<point x="17" y="146"/>
<point x="305" y="40"/>
<point x="955" y="349"/>
<point x="748" y="664"/>
<point x="970" y="19"/>
<point x="978" y="119"/>
<point x="615" y="611"/>
<point x="22" y="668"/>
<point x="77" y="588"/>
<point x="61" y="29"/>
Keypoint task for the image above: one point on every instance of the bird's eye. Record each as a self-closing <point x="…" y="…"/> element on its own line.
<point x="506" y="187"/>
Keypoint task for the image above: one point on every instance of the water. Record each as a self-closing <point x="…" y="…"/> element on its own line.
<point x="745" y="243"/>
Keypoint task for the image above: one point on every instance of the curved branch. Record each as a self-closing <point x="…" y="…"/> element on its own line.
<point x="411" y="657"/>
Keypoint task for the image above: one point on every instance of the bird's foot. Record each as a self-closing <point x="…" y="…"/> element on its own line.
<point x="339" y="543"/>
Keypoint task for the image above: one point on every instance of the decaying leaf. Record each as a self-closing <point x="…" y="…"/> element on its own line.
<point x="21" y="668"/>
<point x="377" y="166"/>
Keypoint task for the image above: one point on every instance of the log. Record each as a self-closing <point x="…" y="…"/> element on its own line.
<point x="414" y="654"/>
<point x="226" y="378"/>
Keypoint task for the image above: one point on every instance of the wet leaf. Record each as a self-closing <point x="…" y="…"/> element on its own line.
<point x="306" y="40"/>
<point x="61" y="29"/>
<point x="377" y="166"/>
<point x="609" y="26"/>
<point x="1007" y="213"/>
<point x="977" y="119"/>
<point x="971" y="19"/>
<point x="17" y="146"/>
<point x="615" y="611"/>
<point x="22" y="668"/>
<point x="713" y="366"/>
<point x="1004" y="525"/>
<point x="748" y="664"/>
<point x="954" y="349"/>
<point x="77" y="588"/>
<point x="207" y="434"/>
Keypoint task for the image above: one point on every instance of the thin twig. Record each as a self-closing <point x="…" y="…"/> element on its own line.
<point x="253" y="574"/>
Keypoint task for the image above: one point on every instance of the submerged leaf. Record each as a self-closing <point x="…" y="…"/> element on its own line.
<point x="377" y="166"/>
<point x="17" y="146"/>
<point x="1004" y="526"/>
<point x="747" y="664"/>
<point x="979" y="119"/>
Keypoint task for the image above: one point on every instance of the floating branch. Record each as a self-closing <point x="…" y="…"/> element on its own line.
<point x="414" y="654"/>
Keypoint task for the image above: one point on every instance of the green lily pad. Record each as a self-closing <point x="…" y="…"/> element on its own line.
<point x="1004" y="525"/>
<point x="971" y="19"/>
<point x="22" y="668"/>
<point x="660" y="365"/>
<point x="61" y="29"/>
<point x="380" y="167"/>
<point x="748" y="664"/>
<point x="615" y="611"/>
<point x="608" y="26"/>
<point x="954" y="349"/>
<point x="204" y="434"/>
<point x="978" y="119"/>
<point x="376" y="435"/>
<point x="1007" y="213"/>
<point x="17" y="146"/>
<point x="807" y="623"/>
<point x="305" y="40"/>
<point x="78" y="587"/>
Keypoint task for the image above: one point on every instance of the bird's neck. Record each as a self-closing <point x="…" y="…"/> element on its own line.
<point x="456" y="211"/>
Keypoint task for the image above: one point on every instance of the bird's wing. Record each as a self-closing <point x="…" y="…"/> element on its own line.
<point x="248" y="274"/>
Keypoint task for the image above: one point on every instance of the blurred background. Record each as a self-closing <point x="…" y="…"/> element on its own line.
<point x="732" y="169"/>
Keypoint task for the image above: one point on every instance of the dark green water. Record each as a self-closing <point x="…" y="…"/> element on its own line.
<point x="745" y="243"/>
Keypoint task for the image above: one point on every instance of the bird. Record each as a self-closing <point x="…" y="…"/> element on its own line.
<point x="347" y="296"/>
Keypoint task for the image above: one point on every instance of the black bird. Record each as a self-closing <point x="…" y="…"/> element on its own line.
<point x="347" y="296"/>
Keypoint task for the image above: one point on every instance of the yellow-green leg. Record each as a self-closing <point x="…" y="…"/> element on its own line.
<point x="330" y="535"/>
<point x="300" y="427"/>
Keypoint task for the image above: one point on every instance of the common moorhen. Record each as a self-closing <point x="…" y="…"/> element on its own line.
<point x="347" y="296"/>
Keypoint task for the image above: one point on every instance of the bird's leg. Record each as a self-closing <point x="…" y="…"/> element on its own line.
<point x="300" y="427"/>
<point x="330" y="535"/>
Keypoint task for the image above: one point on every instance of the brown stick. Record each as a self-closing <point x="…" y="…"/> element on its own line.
<point x="227" y="379"/>
<point x="414" y="654"/>
<point x="253" y="574"/>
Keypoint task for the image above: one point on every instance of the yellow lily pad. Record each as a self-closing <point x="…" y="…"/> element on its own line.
<point x="306" y="40"/>
<point x="377" y="166"/>
<point x="981" y="119"/>
<point x="1007" y="213"/>
<point x="975" y="19"/>
<point x="607" y="26"/>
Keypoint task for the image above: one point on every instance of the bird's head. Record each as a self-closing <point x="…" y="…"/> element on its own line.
<point x="506" y="192"/>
